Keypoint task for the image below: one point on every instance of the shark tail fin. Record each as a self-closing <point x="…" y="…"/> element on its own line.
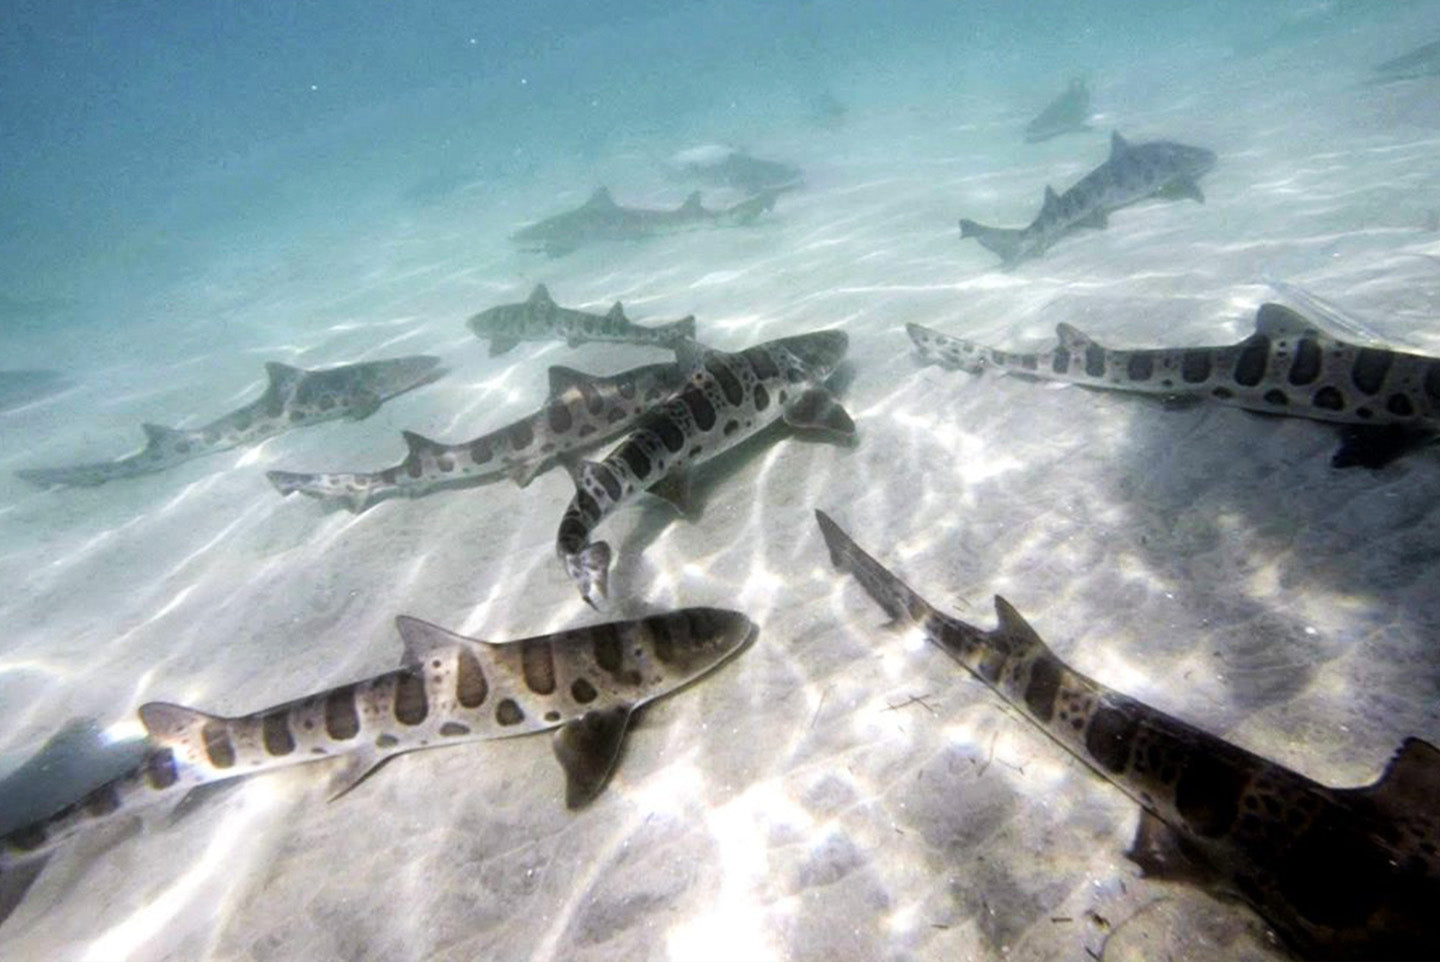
<point x="1003" y="241"/>
<point x="899" y="600"/>
<point x="681" y="330"/>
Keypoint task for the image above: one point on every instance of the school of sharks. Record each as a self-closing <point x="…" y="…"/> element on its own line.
<point x="1332" y="872"/>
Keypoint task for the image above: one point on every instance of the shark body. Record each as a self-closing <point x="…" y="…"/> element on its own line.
<point x="584" y="684"/>
<point x="728" y="398"/>
<point x="726" y="167"/>
<point x="601" y="219"/>
<point x="1421" y="62"/>
<point x="1286" y="367"/>
<point x="1338" y="873"/>
<point x="1132" y="173"/>
<point x="539" y="318"/>
<point x="294" y="397"/>
<point x="1067" y="113"/>
<point x="582" y="412"/>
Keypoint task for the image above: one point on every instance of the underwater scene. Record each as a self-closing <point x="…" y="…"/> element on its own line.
<point x="795" y="481"/>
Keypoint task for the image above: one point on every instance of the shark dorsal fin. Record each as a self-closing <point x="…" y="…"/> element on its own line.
<point x="418" y="443"/>
<point x="1118" y="145"/>
<point x="1014" y="626"/>
<point x="1276" y="320"/>
<point x="167" y="724"/>
<point x="1052" y="200"/>
<point x="587" y="748"/>
<point x="564" y="378"/>
<point x="282" y="376"/>
<point x="1411" y="779"/>
<point x="601" y="198"/>
<point x="616" y="313"/>
<point x="540" y="295"/>
<point x="692" y="204"/>
<point x="423" y="640"/>
<point x="156" y="435"/>
<point x="1072" y="338"/>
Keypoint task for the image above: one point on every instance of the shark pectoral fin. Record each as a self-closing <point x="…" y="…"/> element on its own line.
<point x="16" y="881"/>
<point x="1163" y="853"/>
<point x="817" y="410"/>
<point x="357" y="767"/>
<point x="366" y="404"/>
<point x="357" y="501"/>
<point x="587" y="749"/>
<point x="674" y="489"/>
<point x="1374" y="445"/>
<point x="1182" y="188"/>
<point x="423" y="641"/>
<point x="499" y="345"/>
<point x="523" y="472"/>
<point x="1277" y="320"/>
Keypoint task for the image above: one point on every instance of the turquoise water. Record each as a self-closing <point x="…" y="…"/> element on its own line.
<point x="189" y="194"/>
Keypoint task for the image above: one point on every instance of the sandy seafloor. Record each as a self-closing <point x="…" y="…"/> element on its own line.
<point x="837" y="792"/>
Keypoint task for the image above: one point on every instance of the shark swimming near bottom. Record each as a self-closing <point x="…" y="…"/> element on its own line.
<point x="584" y="684"/>
<point x="294" y="397"/>
<point x="1338" y="873"/>
<point x="1385" y="399"/>
<point x="539" y="318"/>
<point x="581" y="412"/>
<point x="1132" y="173"/>
<point x="601" y="219"/>
<point x="728" y="398"/>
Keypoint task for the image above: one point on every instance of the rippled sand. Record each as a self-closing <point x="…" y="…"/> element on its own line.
<point x="838" y="791"/>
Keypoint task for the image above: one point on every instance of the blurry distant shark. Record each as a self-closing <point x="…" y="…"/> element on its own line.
<point x="1420" y="62"/>
<point x="728" y="398"/>
<point x="722" y="166"/>
<point x="294" y="397"/>
<point x="22" y="387"/>
<point x="1287" y="366"/>
<point x="539" y="318"/>
<point x="601" y="219"/>
<point x="583" y="684"/>
<point x="1131" y="174"/>
<point x="1339" y="873"/>
<point x="582" y="411"/>
<point x="1067" y="113"/>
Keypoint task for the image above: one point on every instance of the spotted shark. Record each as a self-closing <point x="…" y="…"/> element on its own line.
<point x="1386" y="400"/>
<point x="1067" y="113"/>
<point x="601" y="219"/>
<point x="583" y="684"/>
<point x="1338" y="873"/>
<point x="295" y="397"/>
<point x="539" y="318"/>
<point x="727" y="398"/>
<point x="1132" y="173"/>
<point x="581" y="412"/>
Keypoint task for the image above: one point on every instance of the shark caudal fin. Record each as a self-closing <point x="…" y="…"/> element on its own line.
<point x="589" y="568"/>
<point x="899" y="600"/>
<point x="1003" y="241"/>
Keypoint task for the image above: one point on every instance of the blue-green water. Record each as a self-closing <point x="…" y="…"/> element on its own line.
<point x="189" y="193"/>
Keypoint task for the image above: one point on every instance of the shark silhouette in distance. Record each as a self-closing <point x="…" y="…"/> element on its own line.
<point x="1132" y="173"/>
<point x="583" y="685"/>
<point x="721" y="166"/>
<point x="1067" y="113"/>
<point x="1385" y="401"/>
<point x="539" y="318"/>
<point x="601" y="219"/>
<point x="1338" y="872"/>
<point x="294" y="397"/>
<point x="1421" y="62"/>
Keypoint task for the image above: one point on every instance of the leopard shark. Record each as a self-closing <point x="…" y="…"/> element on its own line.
<point x="539" y="318"/>
<point x="582" y="411"/>
<point x="584" y="684"/>
<point x="601" y="219"/>
<point x="1386" y="399"/>
<point x="1336" y="872"/>
<point x="294" y="397"/>
<point x="1132" y="173"/>
<point x="728" y="398"/>
<point x="1065" y="114"/>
